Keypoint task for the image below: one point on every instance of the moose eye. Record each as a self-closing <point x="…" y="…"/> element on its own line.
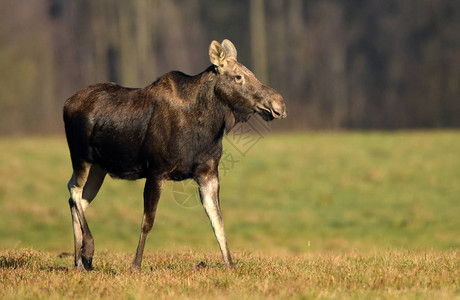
<point x="238" y="78"/>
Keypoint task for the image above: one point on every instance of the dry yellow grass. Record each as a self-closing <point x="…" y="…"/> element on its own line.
<point x="386" y="275"/>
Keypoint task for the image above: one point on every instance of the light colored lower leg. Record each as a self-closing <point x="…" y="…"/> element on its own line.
<point x="78" y="236"/>
<point x="80" y="228"/>
<point x="209" y="192"/>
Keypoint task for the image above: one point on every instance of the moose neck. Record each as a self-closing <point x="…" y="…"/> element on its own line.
<point x="212" y="113"/>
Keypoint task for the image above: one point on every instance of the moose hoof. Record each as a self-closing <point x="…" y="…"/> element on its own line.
<point x="87" y="263"/>
<point x="134" y="268"/>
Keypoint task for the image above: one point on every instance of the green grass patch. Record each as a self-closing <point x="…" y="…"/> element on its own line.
<point x="292" y="193"/>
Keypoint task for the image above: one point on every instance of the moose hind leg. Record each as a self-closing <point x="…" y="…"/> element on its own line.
<point x="93" y="184"/>
<point x="83" y="239"/>
<point x="77" y="233"/>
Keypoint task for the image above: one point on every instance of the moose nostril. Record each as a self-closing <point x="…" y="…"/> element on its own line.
<point x="276" y="112"/>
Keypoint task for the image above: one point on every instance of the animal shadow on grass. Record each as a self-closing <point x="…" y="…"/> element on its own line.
<point x="60" y="268"/>
<point x="203" y="265"/>
<point x="215" y="265"/>
<point x="13" y="262"/>
<point x="28" y="260"/>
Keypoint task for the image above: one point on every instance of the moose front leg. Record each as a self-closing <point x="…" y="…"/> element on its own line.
<point x="209" y="193"/>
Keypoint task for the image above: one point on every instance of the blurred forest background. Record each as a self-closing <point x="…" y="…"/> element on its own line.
<point x="379" y="64"/>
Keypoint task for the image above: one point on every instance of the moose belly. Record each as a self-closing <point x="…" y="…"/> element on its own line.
<point x="120" y="160"/>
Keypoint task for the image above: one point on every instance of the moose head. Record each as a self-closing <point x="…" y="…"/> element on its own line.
<point x="238" y="88"/>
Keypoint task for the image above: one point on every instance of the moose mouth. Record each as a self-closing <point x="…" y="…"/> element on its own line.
<point x="268" y="114"/>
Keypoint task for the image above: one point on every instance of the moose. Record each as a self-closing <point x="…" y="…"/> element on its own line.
<point x="171" y="129"/>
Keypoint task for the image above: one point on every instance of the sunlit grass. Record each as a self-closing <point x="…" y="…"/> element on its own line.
<point x="384" y="275"/>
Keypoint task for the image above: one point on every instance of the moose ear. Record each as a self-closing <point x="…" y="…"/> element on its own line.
<point x="230" y="49"/>
<point x="217" y="54"/>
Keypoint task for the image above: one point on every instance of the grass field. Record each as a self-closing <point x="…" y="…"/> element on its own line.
<point x="315" y="215"/>
<point x="388" y="275"/>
